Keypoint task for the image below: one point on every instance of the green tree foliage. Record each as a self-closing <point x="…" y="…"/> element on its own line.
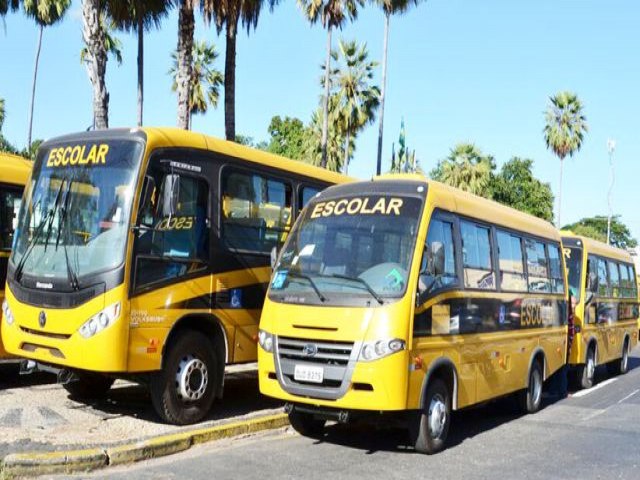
<point x="1" y="113"/>
<point x="288" y="137"/>
<point x="404" y="160"/>
<point x="112" y="44"/>
<point x="596" y="227"/>
<point x="7" y="6"/>
<point x="565" y="126"/>
<point x="331" y="14"/>
<point x="335" y="141"/>
<point x="205" y="78"/>
<point x="466" y="168"/>
<point x="516" y="187"/>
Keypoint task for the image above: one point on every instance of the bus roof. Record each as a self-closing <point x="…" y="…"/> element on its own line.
<point x="599" y="248"/>
<point x="14" y="169"/>
<point x="158" y="137"/>
<point x="473" y="206"/>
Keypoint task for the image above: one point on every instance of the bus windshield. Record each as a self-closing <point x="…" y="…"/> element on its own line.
<point x="349" y="251"/>
<point x="75" y="216"/>
<point x="573" y="258"/>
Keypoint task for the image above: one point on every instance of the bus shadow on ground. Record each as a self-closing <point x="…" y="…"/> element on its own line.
<point x="10" y="377"/>
<point x="241" y="397"/>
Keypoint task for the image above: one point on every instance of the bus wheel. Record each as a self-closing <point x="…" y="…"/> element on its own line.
<point x="306" y="424"/>
<point x="183" y="391"/>
<point x="530" y="398"/>
<point x="88" y="385"/>
<point x="620" y="367"/>
<point x="434" y="420"/>
<point x="587" y="371"/>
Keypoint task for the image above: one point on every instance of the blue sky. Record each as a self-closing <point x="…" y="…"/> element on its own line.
<point x="460" y="70"/>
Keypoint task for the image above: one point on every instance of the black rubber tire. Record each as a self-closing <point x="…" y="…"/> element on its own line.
<point x="306" y="424"/>
<point x="89" y="385"/>
<point x="425" y="441"/>
<point x="584" y="380"/>
<point x="530" y="399"/>
<point x="620" y="366"/>
<point x="169" y="406"/>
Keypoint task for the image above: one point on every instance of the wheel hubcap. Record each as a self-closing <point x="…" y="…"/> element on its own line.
<point x="437" y="416"/>
<point x="625" y="358"/>
<point x="192" y="378"/>
<point x="536" y="387"/>
<point x="591" y="367"/>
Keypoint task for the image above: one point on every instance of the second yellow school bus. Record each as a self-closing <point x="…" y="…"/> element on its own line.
<point x="405" y="295"/>
<point x="603" y="286"/>
<point x="14" y="172"/>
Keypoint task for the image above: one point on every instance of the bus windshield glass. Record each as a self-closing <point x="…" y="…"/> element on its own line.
<point x="352" y="251"/>
<point x="573" y="257"/>
<point x="75" y="217"/>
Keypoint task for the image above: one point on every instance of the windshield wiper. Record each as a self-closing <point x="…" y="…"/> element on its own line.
<point x="71" y="275"/>
<point x="360" y="281"/>
<point x="311" y="282"/>
<point x="39" y="229"/>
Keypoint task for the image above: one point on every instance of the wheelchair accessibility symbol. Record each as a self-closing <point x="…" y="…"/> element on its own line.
<point x="236" y="298"/>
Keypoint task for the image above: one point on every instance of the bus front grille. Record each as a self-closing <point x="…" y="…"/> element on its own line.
<point x="336" y="359"/>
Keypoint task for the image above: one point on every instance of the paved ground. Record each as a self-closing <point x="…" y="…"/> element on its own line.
<point x="37" y="414"/>
<point x="593" y="434"/>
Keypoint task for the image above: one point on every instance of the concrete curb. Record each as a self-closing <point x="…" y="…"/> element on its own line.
<point x="74" y="461"/>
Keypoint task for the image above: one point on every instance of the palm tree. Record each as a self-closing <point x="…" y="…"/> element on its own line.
<point x="312" y="146"/>
<point x="45" y="13"/>
<point x="1" y="112"/>
<point x="564" y="131"/>
<point x="466" y="168"/>
<point x="7" y="6"/>
<point x="332" y="14"/>
<point x="205" y="79"/>
<point x="227" y="14"/>
<point x="112" y="44"/>
<point x="94" y="39"/>
<point x="358" y="98"/>
<point x="184" y="53"/>
<point x="389" y="7"/>
<point x="139" y="16"/>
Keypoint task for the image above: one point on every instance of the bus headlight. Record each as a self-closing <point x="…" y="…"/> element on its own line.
<point x="377" y="349"/>
<point x="100" y="321"/>
<point x="6" y="313"/>
<point x="265" y="339"/>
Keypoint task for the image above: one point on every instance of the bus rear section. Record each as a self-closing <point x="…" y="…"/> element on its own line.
<point x="602" y="282"/>
<point x="145" y="254"/>
<point x="14" y="172"/>
<point x="404" y="296"/>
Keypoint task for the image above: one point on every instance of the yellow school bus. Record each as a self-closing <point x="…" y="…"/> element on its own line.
<point x="14" y="172"/>
<point x="405" y="295"/>
<point x="145" y="254"/>
<point x="602" y="281"/>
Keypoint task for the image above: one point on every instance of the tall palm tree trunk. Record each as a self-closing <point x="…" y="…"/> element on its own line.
<point x="186" y="23"/>
<point x="346" y="150"/>
<point x="97" y="64"/>
<point x="387" y="18"/>
<point x="140" y="32"/>
<point x="325" y="103"/>
<point x="33" y="86"/>
<point x="559" y="224"/>
<point x="230" y="80"/>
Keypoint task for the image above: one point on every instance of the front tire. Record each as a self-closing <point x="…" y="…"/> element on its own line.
<point x="586" y="372"/>
<point x="89" y="385"/>
<point x="530" y="398"/>
<point x="434" y="420"/>
<point x="183" y="391"/>
<point x="306" y="424"/>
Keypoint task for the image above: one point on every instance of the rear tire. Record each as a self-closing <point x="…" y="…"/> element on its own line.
<point x="620" y="366"/>
<point x="89" y="385"/>
<point x="183" y="391"/>
<point x="586" y="372"/>
<point x="530" y="398"/>
<point x="434" y="420"/>
<point x="306" y="424"/>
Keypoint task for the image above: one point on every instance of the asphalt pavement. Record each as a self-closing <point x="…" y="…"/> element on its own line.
<point x="590" y="435"/>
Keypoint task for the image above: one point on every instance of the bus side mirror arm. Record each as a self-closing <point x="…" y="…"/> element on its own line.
<point x="274" y="257"/>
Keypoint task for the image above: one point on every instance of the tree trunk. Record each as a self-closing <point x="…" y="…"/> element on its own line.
<point x="559" y="224"/>
<point x="325" y="102"/>
<point x="230" y="80"/>
<point x="33" y="86"/>
<point x="140" y="62"/>
<point x="382" y="91"/>
<point x="185" y="59"/>
<point x="97" y="61"/>
<point x="346" y="150"/>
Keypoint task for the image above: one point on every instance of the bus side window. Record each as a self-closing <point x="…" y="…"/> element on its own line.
<point x="555" y="269"/>
<point x="603" y="281"/>
<point x="306" y="194"/>
<point x="511" y="261"/>
<point x="537" y="266"/>
<point x="476" y="256"/>
<point x="614" y="278"/>
<point x="625" y="284"/>
<point x="440" y="237"/>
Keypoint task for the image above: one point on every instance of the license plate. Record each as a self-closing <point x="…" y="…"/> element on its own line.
<point x="305" y="373"/>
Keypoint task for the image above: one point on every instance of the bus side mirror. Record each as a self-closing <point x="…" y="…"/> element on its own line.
<point x="170" y="194"/>
<point x="148" y="189"/>
<point x="435" y="259"/>
<point x="274" y="257"/>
